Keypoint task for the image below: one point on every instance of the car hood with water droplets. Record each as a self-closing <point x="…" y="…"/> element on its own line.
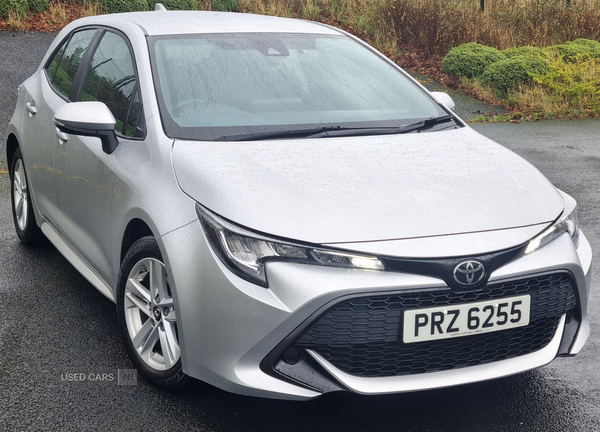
<point x="368" y="189"/>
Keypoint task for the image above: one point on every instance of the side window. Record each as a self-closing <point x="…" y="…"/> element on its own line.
<point x="63" y="66"/>
<point x="111" y="79"/>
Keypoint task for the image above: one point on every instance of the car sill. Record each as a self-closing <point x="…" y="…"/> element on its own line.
<point x="77" y="262"/>
<point x="448" y="378"/>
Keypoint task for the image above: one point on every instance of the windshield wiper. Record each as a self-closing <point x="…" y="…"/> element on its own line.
<point x="336" y="131"/>
<point x="426" y="124"/>
<point x="308" y="133"/>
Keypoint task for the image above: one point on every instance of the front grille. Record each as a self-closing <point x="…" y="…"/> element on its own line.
<point x="363" y="336"/>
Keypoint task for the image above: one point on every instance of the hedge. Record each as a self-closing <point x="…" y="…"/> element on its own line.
<point x="118" y="6"/>
<point x="571" y="50"/>
<point x="512" y="72"/>
<point x="19" y="7"/>
<point x="470" y="59"/>
<point x="525" y="51"/>
<point x="225" y="5"/>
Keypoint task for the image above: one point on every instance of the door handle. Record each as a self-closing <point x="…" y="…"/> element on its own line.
<point x="31" y="108"/>
<point x="62" y="137"/>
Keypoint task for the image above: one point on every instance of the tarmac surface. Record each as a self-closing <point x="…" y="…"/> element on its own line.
<point x="62" y="365"/>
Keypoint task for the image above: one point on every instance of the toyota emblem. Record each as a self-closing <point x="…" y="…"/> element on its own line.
<point x="469" y="273"/>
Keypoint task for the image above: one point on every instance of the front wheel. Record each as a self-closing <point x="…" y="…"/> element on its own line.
<point x="148" y="318"/>
<point x="22" y="209"/>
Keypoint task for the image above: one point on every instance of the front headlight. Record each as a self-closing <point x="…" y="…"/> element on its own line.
<point x="245" y="252"/>
<point x="567" y="223"/>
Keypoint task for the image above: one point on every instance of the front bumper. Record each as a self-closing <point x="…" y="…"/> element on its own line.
<point x="232" y="331"/>
<point x="441" y="379"/>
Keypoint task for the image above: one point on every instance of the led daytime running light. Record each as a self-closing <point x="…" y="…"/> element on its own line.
<point x="568" y="223"/>
<point x="347" y="260"/>
<point x="245" y="252"/>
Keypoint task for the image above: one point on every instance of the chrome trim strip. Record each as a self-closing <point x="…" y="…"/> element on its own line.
<point x="407" y="383"/>
<point x="77" y="262"/>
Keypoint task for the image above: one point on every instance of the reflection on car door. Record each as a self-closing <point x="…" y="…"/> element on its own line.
<point x="85" y="188"/>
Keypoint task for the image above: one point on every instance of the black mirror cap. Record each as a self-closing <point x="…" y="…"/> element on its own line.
<point x="108" y="137"/>
<point x="109" y="141"/>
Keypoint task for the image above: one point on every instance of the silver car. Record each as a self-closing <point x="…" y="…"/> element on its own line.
<point x="280" y="211"/>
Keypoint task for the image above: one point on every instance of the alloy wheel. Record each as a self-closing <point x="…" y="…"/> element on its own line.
<point x="20" y="195"/>
<point x="150" y="315"/>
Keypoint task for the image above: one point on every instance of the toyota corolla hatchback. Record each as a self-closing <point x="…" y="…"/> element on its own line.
<point x="280" y="211"/>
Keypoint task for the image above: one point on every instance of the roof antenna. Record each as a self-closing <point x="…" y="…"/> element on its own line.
<point x="160" y="8"/>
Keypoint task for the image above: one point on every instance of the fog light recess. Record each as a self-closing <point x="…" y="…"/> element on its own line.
<point x="292" y="355"/>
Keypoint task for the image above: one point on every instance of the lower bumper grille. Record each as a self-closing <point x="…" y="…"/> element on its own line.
<point x="363" y="336"/>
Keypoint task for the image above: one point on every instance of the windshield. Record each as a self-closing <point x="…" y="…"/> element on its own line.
<point x="219" y="85"/>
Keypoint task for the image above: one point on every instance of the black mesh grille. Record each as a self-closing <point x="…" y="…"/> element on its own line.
<point x="363" y="336"/>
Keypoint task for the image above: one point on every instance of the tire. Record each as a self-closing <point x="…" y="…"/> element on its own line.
<point x="22" y="208"/>
<point x="147" y="316"/>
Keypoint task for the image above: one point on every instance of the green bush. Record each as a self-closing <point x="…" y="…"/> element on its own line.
<point x="571" y="50"/>
<point x="20" y="7"/>
<point x="576" y="82"/>
<point x="525" y="51"/>
<point x="512" y="72"/>
<point x="225" y="5"/>
<point x="470" y="59"/>
<point x="591" y="44"/>
<point x="174" y="4"/>
<point x="117" y="6"/>
<point x="38" y="5"/>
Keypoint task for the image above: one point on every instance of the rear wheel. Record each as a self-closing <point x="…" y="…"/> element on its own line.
<point x="148" y="318"/>
<point x="22" y="209"/>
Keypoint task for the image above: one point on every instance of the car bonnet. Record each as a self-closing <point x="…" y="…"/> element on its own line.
<point x="366" y="189"/>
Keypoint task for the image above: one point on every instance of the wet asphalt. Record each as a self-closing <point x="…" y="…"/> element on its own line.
<point x="60" y="352"/>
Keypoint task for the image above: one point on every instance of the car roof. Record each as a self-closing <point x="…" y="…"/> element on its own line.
<point x="187" y="22"/>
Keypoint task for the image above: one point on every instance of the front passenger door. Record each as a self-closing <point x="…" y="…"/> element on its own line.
<point x="85" y="190"/>
<point x="43" y="97"/>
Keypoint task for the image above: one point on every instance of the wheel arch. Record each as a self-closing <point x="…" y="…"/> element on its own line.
<point x="135" y="230"/>
<point x="12" y="144"/>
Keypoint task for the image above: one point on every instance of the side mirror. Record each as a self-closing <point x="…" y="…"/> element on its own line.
<point x="88" y="119"/>
<point x="444" y="99"/>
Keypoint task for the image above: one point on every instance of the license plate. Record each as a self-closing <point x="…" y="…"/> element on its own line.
<point x="451" y="321"/>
